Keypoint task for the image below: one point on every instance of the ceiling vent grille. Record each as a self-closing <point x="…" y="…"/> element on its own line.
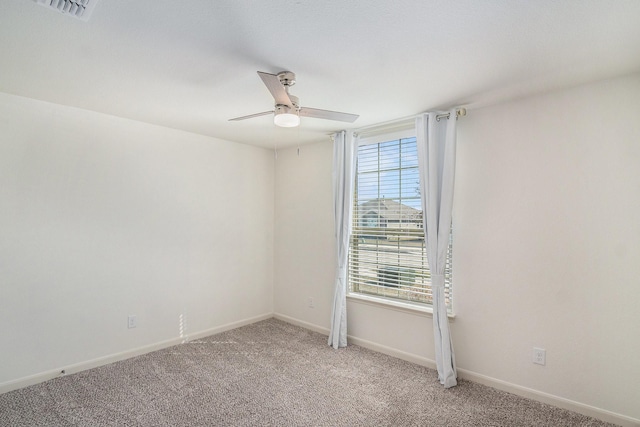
<point x="80" y="9"/>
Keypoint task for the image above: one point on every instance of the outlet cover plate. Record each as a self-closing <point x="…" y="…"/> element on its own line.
<point x="539" y="356"/>
<point x="132" y="321"/>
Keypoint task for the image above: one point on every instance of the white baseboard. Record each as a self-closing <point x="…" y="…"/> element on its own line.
<point x="390" y="351"/>
<point x="229" y="326"/>
<point x="409" y="357"/>
<point x="539" y="396"/>
<point x="560" y="402"/>
<point x="105" y="360"/>
<point x="302" y="324"/>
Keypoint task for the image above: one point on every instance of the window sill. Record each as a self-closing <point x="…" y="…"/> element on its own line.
<point x="405" y="307"/>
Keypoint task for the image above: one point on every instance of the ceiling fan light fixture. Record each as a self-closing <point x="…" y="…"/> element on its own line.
<point x="287" y="110"/>
<point x="284" y="118"/>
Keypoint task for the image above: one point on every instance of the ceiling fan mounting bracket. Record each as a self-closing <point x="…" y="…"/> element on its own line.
<point x="287" y="78"/>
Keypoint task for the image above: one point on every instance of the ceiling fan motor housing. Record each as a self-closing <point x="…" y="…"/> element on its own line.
<point x="284" y="109"/>
<point x="295" y="101"/>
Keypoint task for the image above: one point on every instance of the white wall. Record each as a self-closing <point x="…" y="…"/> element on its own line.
<point x="548" y="202"/>
<point x="102" y="217"/>
<point x="546" y="248"/>
<point x="305" y="248"/>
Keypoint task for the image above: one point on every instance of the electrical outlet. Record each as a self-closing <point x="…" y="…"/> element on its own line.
<point x="310" y="303"/>
<point x="539" y="356"/>
<point x="132" y="321"/>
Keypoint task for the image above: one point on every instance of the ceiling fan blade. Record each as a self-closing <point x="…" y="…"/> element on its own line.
<point x="329" y="115"/>
<point x="251" y="116"/>
<point x="276" y="88"/>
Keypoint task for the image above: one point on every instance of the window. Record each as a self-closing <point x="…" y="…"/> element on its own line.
<point x="388" y="256"/>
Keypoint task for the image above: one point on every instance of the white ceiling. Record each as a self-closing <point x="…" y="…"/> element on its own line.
<point x="192" y="65"/>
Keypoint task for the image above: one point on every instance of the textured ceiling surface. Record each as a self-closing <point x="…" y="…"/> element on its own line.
<point x="192" y="65"/>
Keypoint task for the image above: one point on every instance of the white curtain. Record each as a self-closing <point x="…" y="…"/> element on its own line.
<point x="437" y="160"/>
<point x="343" y="176"/>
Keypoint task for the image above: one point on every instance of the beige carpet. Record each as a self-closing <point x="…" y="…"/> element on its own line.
<point x="269" y="374"/>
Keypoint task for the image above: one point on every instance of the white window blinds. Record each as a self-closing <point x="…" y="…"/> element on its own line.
<point x="387" y="249"/>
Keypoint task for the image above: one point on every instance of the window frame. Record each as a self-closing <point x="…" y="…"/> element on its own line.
<point x="406" y="305"/>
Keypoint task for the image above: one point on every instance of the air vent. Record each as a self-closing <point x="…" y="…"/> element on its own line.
<point x="80" y="9"/>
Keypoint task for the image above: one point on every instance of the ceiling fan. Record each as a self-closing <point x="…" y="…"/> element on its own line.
<point x="287" y="110"/>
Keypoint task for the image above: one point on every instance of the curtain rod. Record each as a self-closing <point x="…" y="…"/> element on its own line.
<point x="405" y="121"/>
<point x="460" y="112"/>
